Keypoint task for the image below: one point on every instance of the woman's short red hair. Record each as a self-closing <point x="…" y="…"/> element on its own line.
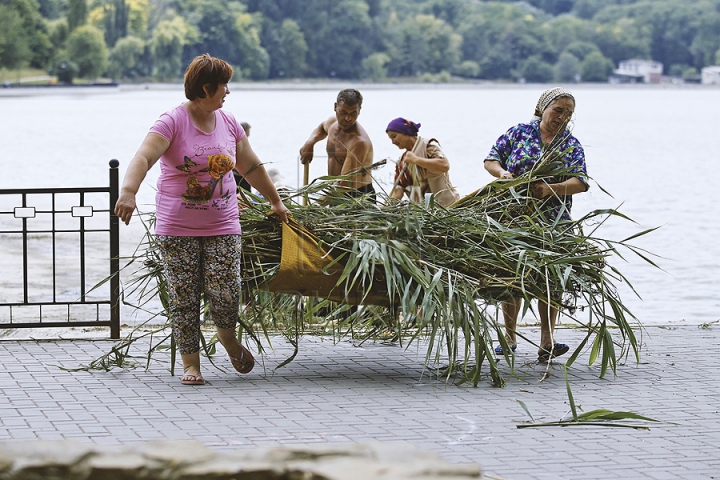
<point x="206" y="70"/>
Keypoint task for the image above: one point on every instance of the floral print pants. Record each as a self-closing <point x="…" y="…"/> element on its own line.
<point x="195" y="266"/>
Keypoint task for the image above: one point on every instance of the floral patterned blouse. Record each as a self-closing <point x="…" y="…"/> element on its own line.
<point x="520" y="148"/>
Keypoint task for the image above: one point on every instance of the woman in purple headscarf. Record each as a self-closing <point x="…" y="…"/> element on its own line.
<point x="423" y="167"/>
<point x="518" y="151"/>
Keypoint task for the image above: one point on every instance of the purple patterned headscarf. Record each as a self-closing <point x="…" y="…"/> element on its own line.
<point x="401" y="125"/>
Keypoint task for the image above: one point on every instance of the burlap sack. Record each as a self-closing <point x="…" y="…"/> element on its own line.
<point x="307" y="269"/>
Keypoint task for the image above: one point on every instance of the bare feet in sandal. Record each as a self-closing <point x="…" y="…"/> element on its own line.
<point x="190" y="377"/>
<point x="191" y="369"/>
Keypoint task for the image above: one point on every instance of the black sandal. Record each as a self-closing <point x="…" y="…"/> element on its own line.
<point x="558" y="349"/>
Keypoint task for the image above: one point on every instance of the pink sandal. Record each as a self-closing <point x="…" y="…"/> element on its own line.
<point x="245" y="363"/>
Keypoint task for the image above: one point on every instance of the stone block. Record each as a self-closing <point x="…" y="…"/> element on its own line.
<point x="192" y="460"/>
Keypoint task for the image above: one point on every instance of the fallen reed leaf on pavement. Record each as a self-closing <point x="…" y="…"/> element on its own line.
<point x="600" y="417"/>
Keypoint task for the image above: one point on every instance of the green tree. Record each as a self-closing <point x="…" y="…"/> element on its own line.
<point x="567" y="68"/>
<point x="51" y="9"/>
<point x="138" y="13"/>
<point x="536" y="70"/>
<point x="666" y="28"/>
<point x="86" y="47"/>
<point x="468" y="68"/>
<point x="451" y="13"/>
<point x="622" y="40"/>
<point x="335" y="37"/>
<point x="553" y="7"/>
<point x="294" y="48"/>
<point x="707" y="39"/>
<point x="586" y="9"/>
<point x="673" y="26"/>
<point x="228" y="31"/>
<point x="374" y="66"/>
<point x="167" y="44"/>
<point x="278" y="10"/>
<point x="58" y="32"/>
<point x="496" y="65"/>
<point x="690" y="73"/>
<point x="115" y="20"/>
<point x="596" y="68"/>
<point x="676" y="70"/>
<point x="218" y="33"/>
<point x="33" y="33"/>
<point x="429" y="45"/>
<point x="14" y="41"/>
<point x="566" y="29"/>
<point x="77" y="13"/>
<point x="338" y="34"/>
<point x="271" y="42"/>
<point x="124" y="57"/>
<point x="250" y="56"/>
<point x="389" y="39"/>
<point x="581" y="49"/>
<point x="499" y="37"/>
<point x="278" y="23"/>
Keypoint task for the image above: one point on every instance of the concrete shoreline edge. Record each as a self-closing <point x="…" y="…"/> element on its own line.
<point x="26" y="90"/>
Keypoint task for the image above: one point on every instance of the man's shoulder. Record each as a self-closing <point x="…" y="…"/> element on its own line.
<point x="329" y="123"/>
<point x="362" y="135"/>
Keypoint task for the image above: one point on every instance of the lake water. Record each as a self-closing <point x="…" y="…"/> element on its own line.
<point x="650" y="147"/>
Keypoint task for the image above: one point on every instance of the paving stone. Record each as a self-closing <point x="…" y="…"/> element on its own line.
<point x="338" y="392"/>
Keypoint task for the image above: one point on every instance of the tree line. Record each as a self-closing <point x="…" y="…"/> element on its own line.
<point x="535" y="40"/>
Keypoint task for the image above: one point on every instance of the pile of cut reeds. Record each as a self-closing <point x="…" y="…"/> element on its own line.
<point x="444" y="272"/>
<point x="447" y="269"/>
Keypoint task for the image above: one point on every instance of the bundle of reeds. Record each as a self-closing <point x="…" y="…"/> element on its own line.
<point x="446" y="268"/>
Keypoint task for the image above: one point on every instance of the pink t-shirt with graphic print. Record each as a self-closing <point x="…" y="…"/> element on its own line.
<point x="196" y="189"/>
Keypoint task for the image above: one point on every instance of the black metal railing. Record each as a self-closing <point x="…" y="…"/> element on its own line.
<point x="59" y="257"/>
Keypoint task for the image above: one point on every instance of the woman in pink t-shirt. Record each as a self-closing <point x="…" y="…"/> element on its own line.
<point x="197" y="226"/>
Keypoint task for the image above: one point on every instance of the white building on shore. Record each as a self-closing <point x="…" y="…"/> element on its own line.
<point x="639" y="71"/>
<point x="710" y="75"/>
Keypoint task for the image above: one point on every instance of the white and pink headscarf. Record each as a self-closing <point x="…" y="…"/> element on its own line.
<point x="548" y="97"/>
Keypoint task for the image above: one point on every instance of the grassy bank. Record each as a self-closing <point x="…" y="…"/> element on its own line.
<point x="24" y="76"/>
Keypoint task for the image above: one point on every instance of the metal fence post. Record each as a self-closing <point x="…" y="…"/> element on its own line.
<point x="114" y="253"/>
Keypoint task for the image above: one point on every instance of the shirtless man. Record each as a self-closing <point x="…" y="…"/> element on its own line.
<point x="349" y="147"/>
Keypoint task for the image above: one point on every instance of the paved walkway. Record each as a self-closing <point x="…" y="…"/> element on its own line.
<point x="374" y="392"/>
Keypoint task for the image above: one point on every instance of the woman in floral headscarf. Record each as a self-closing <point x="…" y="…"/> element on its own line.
<point x="423" y="167"/>
<point x="518" y="151"/>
